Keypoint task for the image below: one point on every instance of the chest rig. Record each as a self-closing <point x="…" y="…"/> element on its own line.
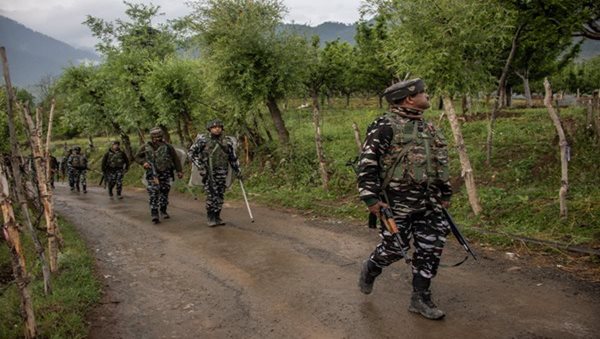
<point x="216" y="152"/>
<point x="418" y="154"/>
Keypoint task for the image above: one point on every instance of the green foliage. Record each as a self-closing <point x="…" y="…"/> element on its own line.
<point x="584" y="76"/>
<point x="453" y="45"/>
<point x="75" y="290"/>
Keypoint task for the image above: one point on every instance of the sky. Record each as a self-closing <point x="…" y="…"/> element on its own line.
<point x="61" y="19"/>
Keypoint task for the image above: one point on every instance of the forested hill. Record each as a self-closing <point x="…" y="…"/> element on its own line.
<point x="327" y="31"/>
<point x="33" y="55"/>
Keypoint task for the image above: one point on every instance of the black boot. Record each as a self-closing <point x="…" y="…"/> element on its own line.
<point x="368" y="273"/>
<point x="212" y="221"/>
<point x="77" y="186"/>
<point x="163" y="212"/>
<point x="154" y="214"/>
<point x="119" y="196"/>
<point x="110" y="192"/>
<point x="420" y="301"/>
<point x="84" y="189"/>
<point x="218" y="218"/>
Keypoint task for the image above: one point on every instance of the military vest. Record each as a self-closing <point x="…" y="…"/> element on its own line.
<point x="78" y="161"/>
<point x="116" y="159"/>
<point x="216" y="152"/>
<point x="161" y="157"/>
<point x="418" y="153"/>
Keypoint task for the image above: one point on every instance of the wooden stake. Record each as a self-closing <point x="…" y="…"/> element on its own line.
<point x="10" y="231"/>
<point x="562" y="141"/>
<point x="357" y="137"/>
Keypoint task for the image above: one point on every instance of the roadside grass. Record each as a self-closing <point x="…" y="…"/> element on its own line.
<point x="75" y="290"/>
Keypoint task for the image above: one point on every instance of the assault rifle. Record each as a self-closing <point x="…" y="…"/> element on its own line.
<point x="459" y="237"/>
<point x="387" y="218"/>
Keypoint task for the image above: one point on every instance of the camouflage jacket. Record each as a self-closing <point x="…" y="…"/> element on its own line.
<point x="115" y="160"/>
<point x="220" y="152"/>
<point x="161" y="155"/>
<point x="403" y="152"/>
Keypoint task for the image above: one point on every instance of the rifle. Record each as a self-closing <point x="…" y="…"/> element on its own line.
<point x="353" y="163"/>
<point x="102" y="180"/>
<point x="459" y="237"/>
<point x="387" y="218"/>
<point x="155" y="180"/>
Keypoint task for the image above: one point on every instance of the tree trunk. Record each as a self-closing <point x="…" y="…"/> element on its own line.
<point x="441" y="103"/>
<point x="380" y="101"/>
<point x="465" y="105"/>
<point x="13" y="240"/>
<point x="90" y="142"/>
<point x="596" y="114"/>
<point x="527" y="90"/>
<point x="499" y="98"/>
<point x="16" y="173"/>
<point x="187" y="129"/>
<point x="180" y="133"/>
<point x="282" y="132"/>
<point x="347" y="100"/>
<point x="509" y="93"/>
<point x="166" y="134"/>
<point x="52" y="229"/>
<point x="467" y="170"/>
<point x="140" y="133"/>
<point x="357" y="137"/>
<point x="564" y="146"/>
<point x="318" y="139"/>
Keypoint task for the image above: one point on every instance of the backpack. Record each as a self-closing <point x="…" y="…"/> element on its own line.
<point x="77" y="161"/>
<point x="419" y="153"/>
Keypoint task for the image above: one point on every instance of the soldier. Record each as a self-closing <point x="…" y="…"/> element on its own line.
<point x="213" y="154"/>
<point x="404" y="166"/>
<point x="77" y="169"/>
<point x="114" y="165"/>
<point x="160" y="160"/>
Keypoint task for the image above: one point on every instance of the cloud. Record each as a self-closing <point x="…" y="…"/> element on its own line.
<point x="62" y="19"/>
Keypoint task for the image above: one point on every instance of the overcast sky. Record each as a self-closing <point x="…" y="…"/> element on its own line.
<point x="61" y="19"/>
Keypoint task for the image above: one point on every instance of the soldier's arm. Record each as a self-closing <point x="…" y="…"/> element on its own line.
<point x="126" y="161"/>
<point x="376" y="144"/>
<point x="104" y="161"/>
<point x="195" y="152"/>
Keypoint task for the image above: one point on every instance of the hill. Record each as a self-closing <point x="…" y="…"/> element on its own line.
<point x="33" y="55"/>
<point x="327" y="31"/>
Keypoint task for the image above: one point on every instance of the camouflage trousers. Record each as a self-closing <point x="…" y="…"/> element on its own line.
<point x="419" y="217"/>
<point x="159" y="193"/>
<point x="114" y="177"/>
<point x="77" y="177"/>
<point x="215" y="189"/>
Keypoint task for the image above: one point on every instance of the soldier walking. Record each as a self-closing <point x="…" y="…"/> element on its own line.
<point x="114" y="165"/>
<point x="404" y="166"/>
<point x="213" y="154"/>
<point x="160" y="161"/>
<point x="77" y="169"/>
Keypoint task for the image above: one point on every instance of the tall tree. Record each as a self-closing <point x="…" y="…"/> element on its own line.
<point x="251" y="59"/>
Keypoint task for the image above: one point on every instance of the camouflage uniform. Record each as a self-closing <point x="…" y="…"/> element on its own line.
<point x="77" y="171"/>
<point x="164" y="160"/>
<point x="408" y="156"/>
<point x="213" y="154"/>
<point x="114" y="165"/>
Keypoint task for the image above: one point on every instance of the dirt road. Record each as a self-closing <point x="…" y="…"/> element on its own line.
<point x="288" y="277"/>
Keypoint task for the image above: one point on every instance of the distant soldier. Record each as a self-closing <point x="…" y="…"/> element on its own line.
<point x="404" y="166"/>
<point x="160" y="160"/>
<point x="53" y="169"/>
<point x="114" y="165"/>
<point x="213" y="154"/>
<point x="77" y="169"/>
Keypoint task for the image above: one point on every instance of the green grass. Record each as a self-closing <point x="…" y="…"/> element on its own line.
<point x="75" y="291"/>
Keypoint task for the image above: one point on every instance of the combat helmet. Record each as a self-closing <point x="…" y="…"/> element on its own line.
<point x="214" y="123"/>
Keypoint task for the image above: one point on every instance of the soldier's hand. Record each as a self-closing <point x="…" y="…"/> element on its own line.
<point x="179" y="175"/>
<point x="147" y="165"/>
<point x="446" y="204"/>
<point x="239" y="175"/>
<point x="376" y="208"/>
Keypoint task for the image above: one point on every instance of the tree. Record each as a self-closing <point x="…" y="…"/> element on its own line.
<point x="251" y="60"/>
<point x="453" y="46"/>
<point x="341" y="59"/>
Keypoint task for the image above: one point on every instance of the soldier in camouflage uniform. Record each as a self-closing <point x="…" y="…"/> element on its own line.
<point x="213" y="154"/>
<point x="404" y="165"/>
<point x="114" y="165"/>
<point x="160" y="160"/>
<point x="77" y="169"/>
